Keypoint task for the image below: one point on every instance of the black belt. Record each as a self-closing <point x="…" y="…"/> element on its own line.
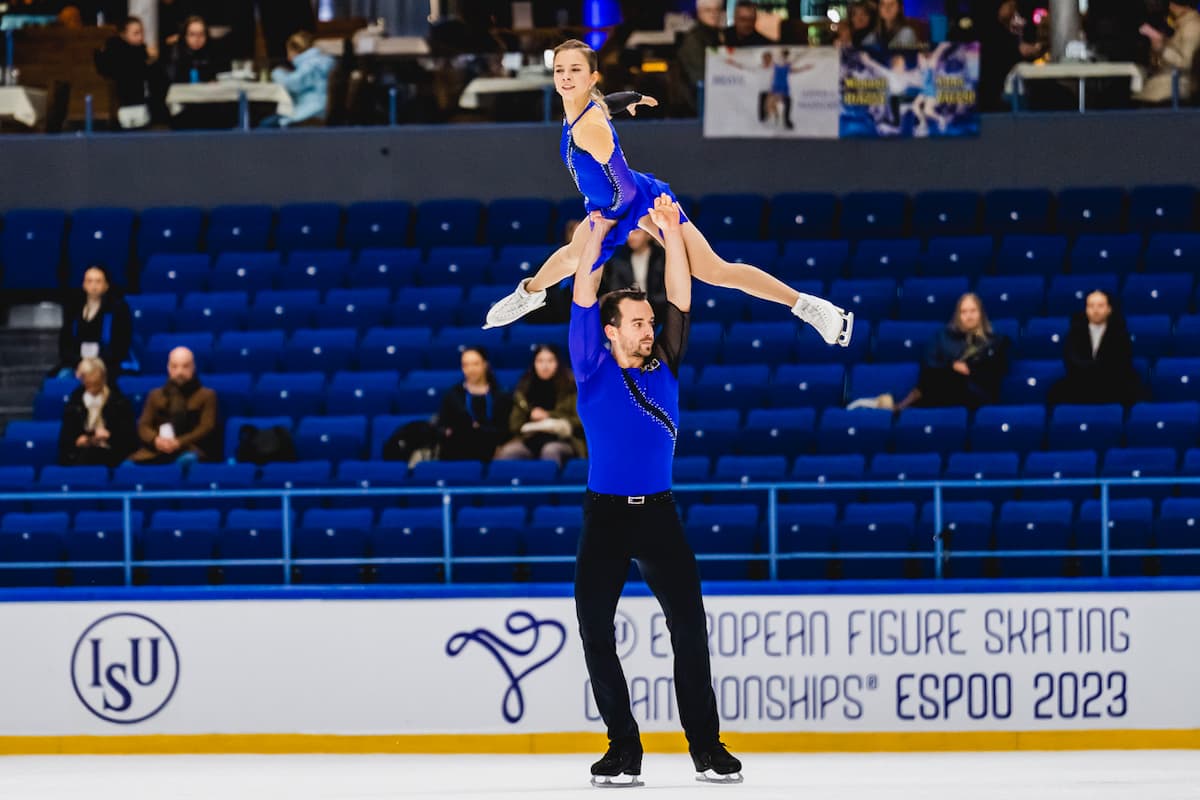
<point x="632" y="500"/>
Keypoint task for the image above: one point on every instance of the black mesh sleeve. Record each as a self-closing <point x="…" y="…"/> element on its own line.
<point x="672" y="340"/>
<point x="619" y="102"/>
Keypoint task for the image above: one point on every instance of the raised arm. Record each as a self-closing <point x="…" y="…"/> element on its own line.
<point x="587" y="280"/>
<point x="677" y="276"/>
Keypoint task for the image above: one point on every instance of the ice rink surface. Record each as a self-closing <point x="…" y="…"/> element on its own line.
<point x="1136" y="775"/>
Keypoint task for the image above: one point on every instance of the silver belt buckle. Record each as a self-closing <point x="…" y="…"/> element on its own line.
<point x="636" y="501"/>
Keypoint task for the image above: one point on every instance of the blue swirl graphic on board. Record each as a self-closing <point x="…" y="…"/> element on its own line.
<point x="518" y="624"/>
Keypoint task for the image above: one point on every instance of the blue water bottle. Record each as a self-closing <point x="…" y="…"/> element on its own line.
<point x="194" y="75"/>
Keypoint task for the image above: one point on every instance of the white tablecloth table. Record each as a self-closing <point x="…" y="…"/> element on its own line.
<point x="384" y="46"/>
<point x="480" y="86"/>
<point x="181" y="94"/>
<point x="27" y="106"/>
<point x="1079" y="71"/>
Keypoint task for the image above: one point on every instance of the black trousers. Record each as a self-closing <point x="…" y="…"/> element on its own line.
<point x="613" y="535"/>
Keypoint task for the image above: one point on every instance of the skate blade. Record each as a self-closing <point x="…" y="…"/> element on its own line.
<point x="709" y="776"/>
<point x="616" y="781"/>
<point x="843" y="338"/>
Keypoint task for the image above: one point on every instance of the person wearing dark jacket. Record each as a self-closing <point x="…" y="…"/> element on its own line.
<point x="1098" y="355"/>
<point x="179" y="420"/>
<point x="97" y="423"/>
<point x="195" y="50"/>
<point x="638" y="263"/>
<point x="140" y="80"/>
<point x="473" y="419"/>
<point x="964" y="364"/>
<point x="96" y="323"/>
<point x="544" y="419"/>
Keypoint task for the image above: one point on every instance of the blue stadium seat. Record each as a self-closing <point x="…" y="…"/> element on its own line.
<point x="863" y="431"/>
<point x="902" y="467"/>
<point x="152" y="313"/>
<point x="1172" y="252"/>
<point x="48" y="405"/>
<point x="930" y="430"/>
<point x="723" y="529"/>
<point x="982" y="467"/>
<point x="749" y="469"/>
<point x="945" y="213"/>
<point x="31" y="248"/>
<point x="408" y="533"/>
<point x="315" y="269"/>
<point x="741" y="386"/>
<point x="873" y="215"/>
<point x="703" y="347"/>
<point x="451" y="222"/>
<point x="353" y="308"/>
<point x="1140" y="462"/>
<point x="1163" y="424"/>
<point x="68" y="480"/>
<point x="1086" y="427"/>
<point x="327" y="533"/>
<point x="717" y="304"/>
<point x="367" y="393"/>
<point x="247" y="351"/>
<point x="812" y="349"/>
<point x="308" y="226"/>
<point x="326" y="349"/>
<point x="1186" y="341"/>
<point x="141" y="478"/>
<point x="1176" y="379"/>
<point x="40" y="539"/>
<point x="385" y="268"/>
<point x="176" y="273"/>
<point x="215" y="311"/>
<point x="517" y="474"/>
<point x="1031" y="255"/>
<point x="356" y="474"/>
<point x="168" y="230"/>
<point x="878" y="527"/>
<point x="332" y="437"/>
<point x="886" y="258"/>
<point x="1033" y="525"/>
<point x="809" y="259"/>
<point x="1151" y="335"/>
<point x="872" y="380"/>
<point x="553" y="531"/>
<point x="427" y="306"/>
<point x="1130" y="527"/>
<point x="251" y="535"/>
<point x="1162" y="208"/>
<point x="731" y="217"/>
<point x="805" y="528"/>
<point x="377" y="224"/>
<point x="777" y="431"/>
<point x="180" y="536"/>
<point x="1162" y="293"/>
<point x="1091" y="210"/>
<point x="930" y="298"/>
<point x="760" y="342"/>
<point x="398" y="349"/>
<point x="1017" y="429"/>
<point x="708" y="433"/>
<point x="52" y="521"/>
<point x="960" y="255"/>
<point x="966" y="528"/>
<point x="1015" y="296"/>
<point x="1057" y="465"/>
<point x="869" y="299"/>
<point x="1069" y="292"/>
<point x="136" y="387"/>
<point x="245" y="272"/>
<point x="522" y="220"/>
<point x="761" y="254"/>
<point x="241" y="228"/>
<point x="314" y="474"/>
<point x="15" y="478"/>
<point x="1007" y="211"/>
<point x="904" y="341"/>
<point x="422" y="390"/>
<point x="1030" y="381"/>
<point x="34" y="443"/>
<point x="819" y="470"/>
<point x="519" y="259"/>
<point x="100" y="536"/>
<point x="1178" y="528"/>
<point x="293" y="394"/>
<point x="1043" y="337"/>
<point x="805" y="215"/>
<point x="161" y="344"/>
<point x="446" y="473"/>
<point x="233" y="391"/>
<point x="455" y="266"/>
<point x="1117" y="253"/>
<point x="813" y="385"/>
<point x="234" y="425"/>
<point x="686" y="469"/>
<point x="100" y="236"/>
<point x="493" y="531"/>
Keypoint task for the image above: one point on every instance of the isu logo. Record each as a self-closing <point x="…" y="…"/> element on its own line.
<point x="125" y="668"/>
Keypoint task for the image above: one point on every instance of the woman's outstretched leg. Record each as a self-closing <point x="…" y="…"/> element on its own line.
<point x="530" y="293"/>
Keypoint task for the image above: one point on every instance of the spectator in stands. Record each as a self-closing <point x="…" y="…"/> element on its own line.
<point x="195" y="57"/>
<point x="544" y="418"/>
<point x="96" y="324"/>
<point x="638" y="263"/>
<point x="307" y="82"/>
<point x="893" y="31"/>
<point x="474" y="415"/>
<point x="858" y="26"/>
<point x="179" y="420"/>
<point x="1006" y="39"/>
<point x="97" y="423"/>
<point x="1177" y="52"/>
<point x="1098" y="355"/>
<point x="965" y="362"/>
<point x="743" y="32"/>
<point x="707" y="32"/>
<point x="140" y="79"/>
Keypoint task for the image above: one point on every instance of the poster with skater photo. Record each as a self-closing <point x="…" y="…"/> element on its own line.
<point x="911" y="94"/>
<point x="771" y="92"/>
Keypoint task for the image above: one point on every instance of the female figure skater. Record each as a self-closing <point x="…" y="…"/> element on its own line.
<point x="590" y="150"/>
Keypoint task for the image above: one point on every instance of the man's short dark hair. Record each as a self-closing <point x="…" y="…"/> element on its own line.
<point x="746" y="4"/>
<point x="610" y="304"/>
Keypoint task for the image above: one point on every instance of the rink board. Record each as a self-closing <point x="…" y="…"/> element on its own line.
<point x="802" y="667"/>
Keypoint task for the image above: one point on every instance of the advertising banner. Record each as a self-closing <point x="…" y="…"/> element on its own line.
<point x="772" y="92"/>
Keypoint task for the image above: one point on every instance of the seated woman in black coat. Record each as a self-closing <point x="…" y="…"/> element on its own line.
<point x="97" y="425"/>
<point x="473" y="419"/>
<point x="964" y="364"/>
<point x="96" y="324"/>
<point x="1098" y="355"/>
<point x="140" y="80"/>
<point x="196" y="50"/>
